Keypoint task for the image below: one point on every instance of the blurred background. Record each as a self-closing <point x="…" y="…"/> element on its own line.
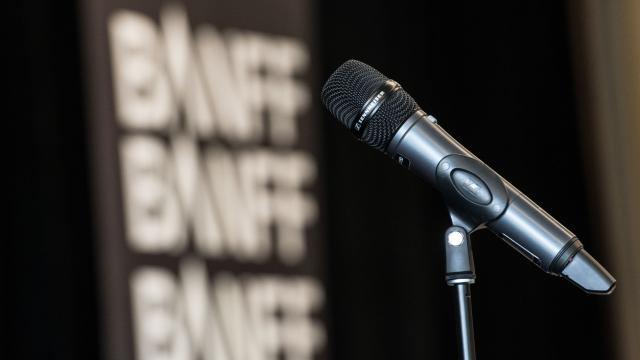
<point x="177" y="191"/>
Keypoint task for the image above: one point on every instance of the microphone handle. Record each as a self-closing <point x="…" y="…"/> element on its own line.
<point x="478" y="197"/>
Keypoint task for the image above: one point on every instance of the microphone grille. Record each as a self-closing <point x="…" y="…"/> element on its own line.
<point x="348" y="89"/>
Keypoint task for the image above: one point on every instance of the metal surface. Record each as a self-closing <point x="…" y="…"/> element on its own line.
<point x="461" y="273"/>
<point x="436" y="156"/>
<point x="465" y="317"/>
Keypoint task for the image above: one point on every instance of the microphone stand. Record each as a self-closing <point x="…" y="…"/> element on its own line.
<point x="461" y="273"/>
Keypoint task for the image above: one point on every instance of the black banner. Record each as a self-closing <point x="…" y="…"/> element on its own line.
<point x="206" y="179"/>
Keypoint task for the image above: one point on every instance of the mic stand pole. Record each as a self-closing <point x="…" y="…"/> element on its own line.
<point x="461" y="274"/>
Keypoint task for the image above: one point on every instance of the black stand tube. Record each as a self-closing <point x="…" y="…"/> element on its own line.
<point x="461" y="274"/>
<point x="466" y="321"/>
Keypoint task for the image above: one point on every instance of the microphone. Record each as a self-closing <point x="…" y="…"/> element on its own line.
<point x="381" y="114"/>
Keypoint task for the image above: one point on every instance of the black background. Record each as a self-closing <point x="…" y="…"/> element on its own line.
<point x="498" y="78"/>
<point x="50" y="293"/>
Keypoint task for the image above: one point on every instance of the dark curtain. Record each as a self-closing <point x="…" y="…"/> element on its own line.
<point x="49" y="294"/>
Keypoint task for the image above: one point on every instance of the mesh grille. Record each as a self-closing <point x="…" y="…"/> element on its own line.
<point x="349" y="87"/>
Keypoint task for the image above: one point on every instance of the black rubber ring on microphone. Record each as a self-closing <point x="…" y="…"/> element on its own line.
<point x="565" y="255"/>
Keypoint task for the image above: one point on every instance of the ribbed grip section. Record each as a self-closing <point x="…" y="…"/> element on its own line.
<point x="347" y="91"/>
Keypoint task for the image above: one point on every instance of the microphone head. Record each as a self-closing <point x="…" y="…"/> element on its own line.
<point x="367" y="102"/>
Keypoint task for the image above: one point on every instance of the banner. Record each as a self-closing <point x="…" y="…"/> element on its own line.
<point x="204" y="138"/>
